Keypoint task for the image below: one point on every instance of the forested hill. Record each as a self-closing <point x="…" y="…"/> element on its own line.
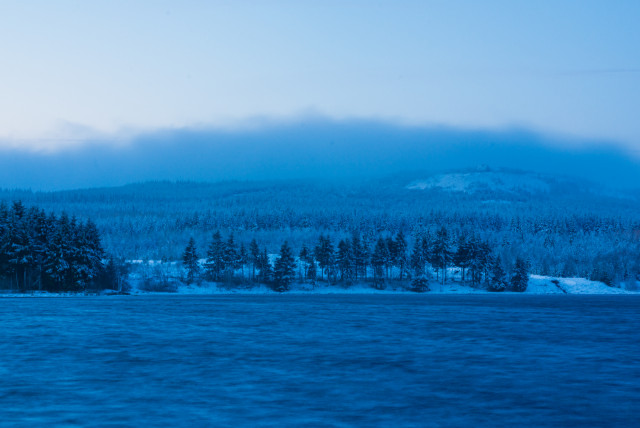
<point x="565" y="227"/>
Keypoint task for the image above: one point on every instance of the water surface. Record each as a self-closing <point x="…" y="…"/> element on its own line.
<point x="313" y="360"/>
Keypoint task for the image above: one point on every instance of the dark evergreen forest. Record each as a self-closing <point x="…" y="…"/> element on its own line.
<point x="42" y="251"/>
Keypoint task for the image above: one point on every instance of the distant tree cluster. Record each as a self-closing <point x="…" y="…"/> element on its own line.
<point x="225" y="258"/>
<point x="356" y="259"/>
<point x="40" y="251"/>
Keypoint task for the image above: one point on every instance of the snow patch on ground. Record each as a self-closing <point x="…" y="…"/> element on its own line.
<point x="539" y="284"/>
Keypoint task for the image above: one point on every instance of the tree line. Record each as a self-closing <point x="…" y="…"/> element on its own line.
<point x="42" y="251"/>
<point x="563" y="234"/>
<point x="354" y="259"/>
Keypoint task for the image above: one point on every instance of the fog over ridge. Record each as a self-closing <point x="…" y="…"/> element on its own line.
<point x="311" y="149"/>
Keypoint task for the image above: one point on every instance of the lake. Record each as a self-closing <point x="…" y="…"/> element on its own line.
<point x="320" y="360"/>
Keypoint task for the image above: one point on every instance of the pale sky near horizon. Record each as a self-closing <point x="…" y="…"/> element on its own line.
<point x="78" y="69"/>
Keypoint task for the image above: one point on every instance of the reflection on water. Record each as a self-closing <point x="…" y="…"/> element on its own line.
<point x="409" y="360"/>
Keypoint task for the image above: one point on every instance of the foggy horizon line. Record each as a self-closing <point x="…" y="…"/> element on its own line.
<point x="311" y="148"/>
<point x="127" y="136"/>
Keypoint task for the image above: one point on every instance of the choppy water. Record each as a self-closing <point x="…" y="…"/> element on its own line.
<point x="406" y="360"/>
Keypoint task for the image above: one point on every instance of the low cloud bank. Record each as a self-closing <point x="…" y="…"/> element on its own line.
<point x="311" y="149"/>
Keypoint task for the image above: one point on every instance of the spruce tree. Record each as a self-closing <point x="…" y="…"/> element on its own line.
<point x="392" y="255"/>
<point x="520" y="277"/>
<point x="230" y="257"/>
<point x="190" y="261"/>
<point x="324" y="254"/>
<point x="497" y="277"/>
<point x="312" y="271"/>
<point x="243" y="258"/>
<point x="344" y="260"/>
<point x="420" y="284"/>
<point x="57" y="260"/>
<point x="265" y="270"/>
<point x="379" y="258"/>
<point x="441" y="253"/>
<point x="254" y="257"/>
<point x="417" y="259"/>
<point x="215" y="263"/>
<point x="284" y="270"/>
<point x="5" y="238"/>
<point x="401" y="253"/>
<point x="306" y="259"/>
<point x="359" y="256"/>
<point x="462" y="256"/>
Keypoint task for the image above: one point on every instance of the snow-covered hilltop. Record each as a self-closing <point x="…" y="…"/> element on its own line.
<point x="484" y="180"/>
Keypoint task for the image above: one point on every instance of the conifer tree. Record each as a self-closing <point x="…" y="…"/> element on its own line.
<point x="5" y="238"/>
<point x="324" y="254"/>
<point x="230" y="257"/>
<point x="243" y="258"/>
<point x="462" y="256"/>
<point x="520" y="277"/>
<point x="20" y="255"/>
<point x="379" y="258"/>
<point x="425" y="245"/>
<point x="265" y="270"/>
<point x="417" y="259"/>
<point x="420" y="284"/>
<point x="284" y="270"/>
<point x="358" y="255"/>
<point x="344" y="260"/>
<point x="58" y="254"/>
<point x="392" y="255"/>
<point x="312" y="271"/>
<point x="479" y="259"/>
<point x="215" y="263"/>
<point x="498" y="278"/>
<point x="441" y="253"/>
<point x="190" y="261"/>
<point x="306" y="259"/>
<point x="401" y="253"/>
<point x="113" y="276"/>
<point x="254" y="257"/>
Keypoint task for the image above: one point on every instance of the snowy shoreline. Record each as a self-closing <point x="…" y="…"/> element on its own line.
<point x="538" y="285"/>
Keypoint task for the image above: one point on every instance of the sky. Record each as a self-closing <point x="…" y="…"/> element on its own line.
<point x="74" y="71"/>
